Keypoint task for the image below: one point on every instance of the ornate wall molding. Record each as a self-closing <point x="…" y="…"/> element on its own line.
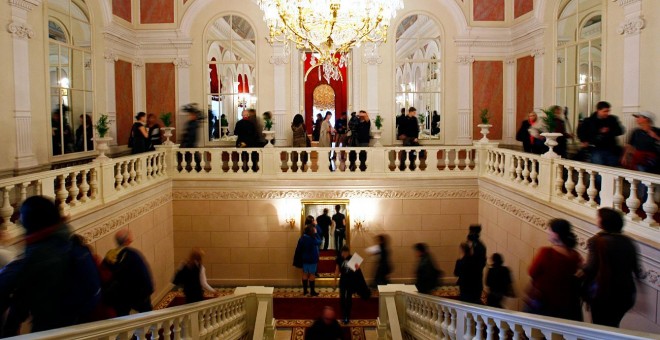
<point x="279" y="60"/>
<point x="651" y="277"/>
<point x="26" y="5"/>
<point x="20" y="30"/>
<point x="116" y="222"/>
<point x="631" y="26"/>
<point x="624" y="3"/>
<point x="182" y="62"/>
<point x="465" y="59"/>
<point x="197" y="195"/>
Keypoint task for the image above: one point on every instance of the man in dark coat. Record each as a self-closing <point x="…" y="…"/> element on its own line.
<point x="324" y="221"/>
<point x="325" y="328"/>
<point x="427" y="274"/>
<point x="599" y="132"/>
<point x="131" y="285"/>
<point x="478" y="254"/>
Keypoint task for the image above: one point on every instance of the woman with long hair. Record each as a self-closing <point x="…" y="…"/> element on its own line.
<point x="325" y="138"/>
<point x="139" y="134"/>
<point x="299" y="140"/>
<point x="554" y="288"/>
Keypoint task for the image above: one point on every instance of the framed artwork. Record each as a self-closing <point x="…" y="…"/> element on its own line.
<point x="316" y="207"/>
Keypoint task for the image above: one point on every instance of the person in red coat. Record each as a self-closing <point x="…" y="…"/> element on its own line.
<point x="554" y="289"/>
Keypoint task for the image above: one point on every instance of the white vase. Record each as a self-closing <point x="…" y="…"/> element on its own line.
<point x="167" y="132"/>
<point x="551" y="142"/>
<point x="101" y="144"/>
<point x="376" y="134"/>
<point x="485" y="129"/>
<point x="268" y="134"/>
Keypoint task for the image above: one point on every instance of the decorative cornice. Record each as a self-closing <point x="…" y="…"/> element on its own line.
<point x="651" y="277"/>
<point x="182" y="62"/>
<point x="110" y="56"/>
<point x="27" y="5"/>
<point x="631" y="26"/>
<point x="322" y="194"/>
<point x="539" y="52"/>
<point x="371" y="56"/>
<point x="119" y="221"/>
<point x="483" y="43"/>
<point x="465" y="59"/>
<point x="20" y="30"/>
<point x="624" y="3"/>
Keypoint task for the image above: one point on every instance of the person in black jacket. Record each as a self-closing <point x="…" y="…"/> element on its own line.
<point x="326" y="327"/>
<point x="190" y="130"/>
<point x="599" y="132"/>
<point x="427" y="274"/>
<point x="245" y="132"/>
<point x="131" y="286"/>
<point x="192" y="277"/>
<point x="139" y="135"/>
<point x="523" y="134"/>
<point x="498" y="281"/>
<point x="384" y="266"/>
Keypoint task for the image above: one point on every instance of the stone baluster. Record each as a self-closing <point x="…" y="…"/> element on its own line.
<point x="162" y="165"/>
<point x="453" y="330"/>
<point x="73" y="189"/>
<point x="570" y="185"/>
<point x="490" y="329"/>
<point x="84" y="186"/>
<point x="133" y="173"/>
<point x="250" y="161"/>
<point x="518" y="333"/>
<point x="526" y="172"/>
<point x="512" y="168"/>
<point x="479" y="328"/>
<point x="592" y="192"/>
<point x="289" y="160"/>
<point x="437" y="320"/>
<point x="418" y="160"/>
<point x="62" y="193"/>
<point x="432" y="161"/>
<point x="617" y="199"/>
<point x="457" y="160"/>
<point x="93" y="184"/>
<point x="559" y="180"/>
<point x="126" y="174"/>
<point x="580" y="188"/>
<point x="519" y="169"/>
<point x="469" y="326"/>
<point x="446" y="160"/>
<point x="6" y="210"/>
<point x="633" y="201"/>
<point x="151" y="159"/>
<point x="118" y="177"/>
<point x="489" y="162"/>
<point x="23" y="194"/>
<point x="504" y="328"/>
<point x="650" y="207"/>
<point x="534" y="175"/>
<point x="469" y="159"/>
<point x="446" y="322"/>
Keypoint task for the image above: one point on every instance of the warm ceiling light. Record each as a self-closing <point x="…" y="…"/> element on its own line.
<point x="329" y="28"/>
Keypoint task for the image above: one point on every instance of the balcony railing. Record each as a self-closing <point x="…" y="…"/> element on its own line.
<point x="576" y="186"/>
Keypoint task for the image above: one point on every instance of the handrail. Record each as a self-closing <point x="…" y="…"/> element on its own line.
<point x="430" y="317"/>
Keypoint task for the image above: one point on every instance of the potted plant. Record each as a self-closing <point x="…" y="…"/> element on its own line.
<point x="484" y="117"/>
<point x="166" y="118"/>
<point x="268" y="125"/>
<point x="549" y="120"/>
<point x="377" y="133"/>
<point x="102" y="127"/>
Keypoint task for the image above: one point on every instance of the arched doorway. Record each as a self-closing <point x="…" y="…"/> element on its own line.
<point x="324" y="100"/>
<point x="316" y="79"/>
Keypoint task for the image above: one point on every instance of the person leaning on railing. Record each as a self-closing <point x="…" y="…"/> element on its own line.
<point x="642" y="151"/>
<point x="598" y="134"/>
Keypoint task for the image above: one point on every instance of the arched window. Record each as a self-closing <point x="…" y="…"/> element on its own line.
<point x="231" y="57"/>
<point x="70" y="71"/>
<point x="579" y="61"/>
<point x="418" y="72"/>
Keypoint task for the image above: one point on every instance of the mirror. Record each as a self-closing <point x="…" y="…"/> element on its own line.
<point x="70" y="71"/>
<point x="231" y="81"/>
<point x="336" y="237"/>
<point x="579" y="50"/>
<point x="418" y="72"/>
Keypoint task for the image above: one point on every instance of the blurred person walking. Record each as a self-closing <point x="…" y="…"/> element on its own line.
<point x="427" y="273"/>
<point x="191" y="275"/>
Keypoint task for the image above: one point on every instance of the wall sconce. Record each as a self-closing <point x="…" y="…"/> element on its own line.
<point x="291" y="222"/>
<point x="358" y="223"/>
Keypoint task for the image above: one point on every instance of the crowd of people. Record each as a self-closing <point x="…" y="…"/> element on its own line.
<point x="598" y="135"/>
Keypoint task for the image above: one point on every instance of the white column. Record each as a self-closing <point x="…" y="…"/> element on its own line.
<point x="355" y="103"/>
<point x="279" y="60"/>
<point x="538" y="55"/>
<point x="464" y="136"/>
<point x="139" y="87"/>
<point x="510" y="105"/>
<point x="372" y="59"/>
<point x="110" y="99"/>
<point x="631" y="29"/>
<point x="183" y="89"/>
<point x="21" y="34"/>
<point x="296" y="105"/>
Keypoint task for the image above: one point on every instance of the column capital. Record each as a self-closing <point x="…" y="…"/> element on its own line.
<point x="465" y="59"/>
<point x="539" y="52"/>
<point x="371" y="56"/>
<point x="138" y="63"/>
<point x="20" y="30"/>
<point x="110" y="56"/>
<point x="631" y="26"/>
<point x="511" y="61"/>
<point x="182" y="62"/>
<point x="26" y="5"/>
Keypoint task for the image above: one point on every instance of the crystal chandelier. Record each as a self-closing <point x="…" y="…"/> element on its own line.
<point x="328" y="28"/>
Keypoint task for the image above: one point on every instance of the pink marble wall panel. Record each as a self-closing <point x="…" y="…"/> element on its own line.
<point x="156" y="11"/>
<point x="122" y="9"/>
<point x="488" y="10"/>
<point x="124" y="100"/>
<point x="488" y="93"/>
<point x="522" y="7"/>
<point x="524" y="87"/>
<point x="161" y="85"/>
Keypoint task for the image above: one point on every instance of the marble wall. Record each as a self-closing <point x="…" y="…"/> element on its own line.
<point x="488" y="10"/>
<point x="524" y="87"/>
<point x="522" y="7"/>
<point x="156" y="11"/>
<point x="248" y="242"/>
<point x="161" y="86"/>
<point x="124" y="100"/>
<point x="122" y="9"/>
<point x="488" y="93"/>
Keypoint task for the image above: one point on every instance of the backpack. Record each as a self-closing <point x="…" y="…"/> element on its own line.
<point x="84" y="288"/>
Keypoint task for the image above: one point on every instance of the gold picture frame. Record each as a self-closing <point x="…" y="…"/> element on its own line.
<point x="315" y="208"/>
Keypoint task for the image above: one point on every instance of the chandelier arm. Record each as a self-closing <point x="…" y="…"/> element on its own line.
<point x="341" y="78"/>
<point x="294" y="32"/>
